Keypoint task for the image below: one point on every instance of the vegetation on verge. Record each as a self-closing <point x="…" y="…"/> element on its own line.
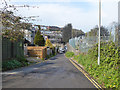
<point x="69" y="54"/>
<point x="14" y="63"/>
<point x="107" y="73"/>
<point x="51" y="55"/>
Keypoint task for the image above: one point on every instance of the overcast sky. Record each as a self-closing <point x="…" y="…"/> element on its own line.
<point x="83" y="14"/>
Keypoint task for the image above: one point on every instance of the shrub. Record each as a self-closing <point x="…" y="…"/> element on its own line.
<point x="39" y="39"/>
<point x="48" y="43"/>
<point x="8" y="65"/>
<point x="23" y="60"/>
<point x="69" y="54"/>
<point x="48" y="56"/>
<point x="14" y="63"/>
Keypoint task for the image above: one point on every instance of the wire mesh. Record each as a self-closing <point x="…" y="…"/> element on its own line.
<point x="86" y="43"/>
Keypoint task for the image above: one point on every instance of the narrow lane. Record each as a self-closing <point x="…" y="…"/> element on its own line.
<point x="57" y="72"/>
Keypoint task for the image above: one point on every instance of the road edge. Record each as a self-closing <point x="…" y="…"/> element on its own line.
<point x="81" y="69"/>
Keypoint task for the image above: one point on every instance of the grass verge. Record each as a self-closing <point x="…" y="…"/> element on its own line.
<point x="107" y="74"/>
<point x="69" y="54"/>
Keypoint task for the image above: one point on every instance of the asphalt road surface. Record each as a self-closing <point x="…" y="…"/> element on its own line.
<point x="57" y="72"/>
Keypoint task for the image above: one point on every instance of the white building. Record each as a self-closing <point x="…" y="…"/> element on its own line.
<point x="29" y="35"/>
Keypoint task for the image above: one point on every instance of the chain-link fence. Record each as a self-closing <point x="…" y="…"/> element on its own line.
<point x="86" y="43"/>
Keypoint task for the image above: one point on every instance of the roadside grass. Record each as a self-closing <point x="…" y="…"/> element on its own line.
<point x="107" y="74"/>
<point x="15" y="63"/>
<point x="69" y="54"/>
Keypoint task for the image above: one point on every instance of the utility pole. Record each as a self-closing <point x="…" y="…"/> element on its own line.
<point x="118" y="30"/>
<point x="99" y="32"/>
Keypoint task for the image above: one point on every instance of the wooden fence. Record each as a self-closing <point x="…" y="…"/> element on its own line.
<point x="37" y="51"/>
<point x="11" y="49"/>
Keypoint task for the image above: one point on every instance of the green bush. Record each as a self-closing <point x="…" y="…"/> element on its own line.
<point x="14" y="63"/>
<point x="8" y="65"/>
<point x="107" y="73"/>
<point x="51" y="55"/>
<point x="48" y="56"/>
<point x="23" y="60"/>
<point x="48" y="43"/>
<point x="39" y="39"/>
<point x="69" y="54"/>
